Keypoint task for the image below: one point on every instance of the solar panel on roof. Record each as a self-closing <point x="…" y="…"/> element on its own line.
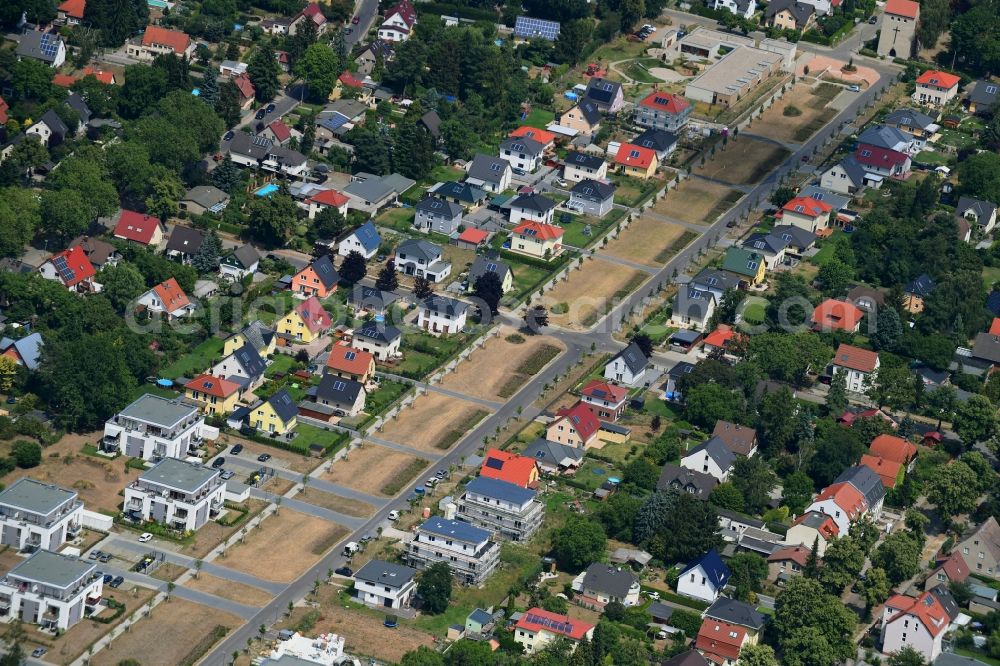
<point x="517" y="146"/>
<point x="633" y="154"/>
<point x="491" y="267"/>
<point x="350" y="356"/>
<point x="339" y="386"/>
<point x="494" y="463"/>
<point x="525" y="26"/>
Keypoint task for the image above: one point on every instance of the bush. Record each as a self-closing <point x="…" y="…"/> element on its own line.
<point x="26" y="454"/>
<point x="792" y="111"/>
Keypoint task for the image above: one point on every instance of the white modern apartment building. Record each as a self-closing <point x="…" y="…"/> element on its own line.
<point x="505" y="509"/>
<point x="36" y="515"/>
<point x="469" y="551"/>
<point x="383" y="584"/>
<point x="153" y="427"/>
<point x="50" y="590"/>
<point x="176" y="493"/>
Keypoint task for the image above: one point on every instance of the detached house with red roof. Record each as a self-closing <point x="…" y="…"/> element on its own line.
<point x="138" y="228"/>
<point x="889" y="473"/>
<point x="812" y="527"/>
<point x="246" y="90"/>
<point x="919" y="623"/>
<point x="806" y="213"/>
<point x="311" y="12"/>
<point x="510" y="467"/>
<point x="951" y="569"/>
<point x="575" y="426"/>
<point x="607" y="400"/>
<point x="720" y="642"/>
<point x="547" y="139"/>
<point x="326" y="199"/>
<point x="168" y="298"/>
<point x="398" y="23"/>
<point x="70" y="12"/>
<point x="213" y="395"/>
<point x="860" y="366"/>
<point x="787" y="562"/>
<point x="936" y="88"/>
<point x="880" y="161"/>
<point x="161" y="41"/>
<point x="536" y="239"/>
<point x="73" y="269"/>
<point x="537" y="628"/>
<point x="350" y="363"/>
<point x="894" y="448"/>
<point x="834" y="315"/>
<point x="663" y="111"/>
<point x="636" y="161"/>
<point x="307" y="321"/>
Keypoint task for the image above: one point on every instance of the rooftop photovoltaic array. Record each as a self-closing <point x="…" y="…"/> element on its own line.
<point x="65" y="272"/>
<point x="554" y="625"/>
<point x="528" y="27"/>
<point x="48" y="45"/>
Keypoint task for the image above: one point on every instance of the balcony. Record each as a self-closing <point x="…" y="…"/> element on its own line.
<point x="73" y="530"/>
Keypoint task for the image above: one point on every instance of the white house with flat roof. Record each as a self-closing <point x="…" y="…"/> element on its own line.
<point x="153" y="427"/>
<point x="37" y="515"/>
<point x="383" y="584"/>
<point x="505" y="509"/>
<point x="176" y="493"/>
<point x="469" y="552"/>
<point x="51" y="590"/>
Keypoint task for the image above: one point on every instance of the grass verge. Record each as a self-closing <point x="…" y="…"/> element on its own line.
<point x="724" y="204"/>
<point x="461" y="428"/>
<point x="630" y="286"/>
<point x="404" y="476"/>
<point x="683" y="241"/>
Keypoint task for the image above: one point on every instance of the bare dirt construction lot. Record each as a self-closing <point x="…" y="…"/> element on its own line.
<point x="303" y="540"/>
<point x="336" y="503"/>
<point x="98" y="480"/>
<point x="227" y="589"/>
<point x="743" y="162"/>
<point x="374" y="469"/>
<point x="644" y="240"/>
<point x="813" y="113"/>
<point x="697" y="201"/>
<point x="432" y="420"/>
<point x="212" y="533"/>
<point x="176" y="632"/>
<point x="589" y="293"/>
<point x="501" y="367"/>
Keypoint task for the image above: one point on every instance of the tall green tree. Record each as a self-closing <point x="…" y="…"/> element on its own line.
<point x="755" y="480"/>
<point x="272" y="219"/>
<point x="489" y="289"/>
<point x="320" y="67"/>
<point x="434" y="588"/>
<point x="264" y="70"/>
<point x="117" y="20"/>
<point x="578" y="543"/>
<point x="953" y="490"/>
<point x="122" y="283"/>
<point x="20" y="216"/>
<point x="353" y="267"/>
<point x="66" y="213"/>
<point x="975" y="420"/>
<point x="206" y="260"/>
<point x="812" y="627"/>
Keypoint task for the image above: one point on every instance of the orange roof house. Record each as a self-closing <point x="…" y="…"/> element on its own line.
<point x="107" y="78"/>
<point x="847" y="497"/>
<point x="73" y="9"/>
<point x="547" y="139"/>
<point x="139" y="228"/>
<point x="719" y="641"/>
<point x="213" y="386"/>
<point x="722" y="337"/>
<point x="893" y="448"/>
<point x="951" y="569"/>
<point x="510" y="467"/>
<point x="887" y="470"/>
<point x="943" y="80"/>
<point x="327" y="199"/>
<point x="833" y="315"/>
<point x="245" y="86"/>
<point x="473" y="236"/>
<point x="351" y="363"/>
<point x="175" y="40"/>
<point x="71" y="267"/>
<point x="63" y="80"/>
<point x="995" y="326"/>
<point x="633" y="160"/>
<point x="174" y="300"/>
<point x="855" y="358"/>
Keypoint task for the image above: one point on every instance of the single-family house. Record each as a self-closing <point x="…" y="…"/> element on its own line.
<point x="583" y="166"/>
<point x="507" y="510"/>
<point x="382" y="584"/>
<point x="919" y="623"/>
<point x="327" y="199"/>
<point x="536" y="239"/>
<point x="720" y="642"/>
<point x="627" y="367"/>
<point x="239" y="263"/>
<point x="806" y="213"/>
<point x="980" y="548"/>
<point x="859" y="365"/>
<point x="70" y="12"/>
<point x="375" y="53"/>
<point x="895" y="449"/>
<point x="790" y="15"/>
<point x="787" y="562"/>
<point x="592" y="197"/>
<point x="465" y="195"/>
<point x="537" y="628"/>
<point x="847" y="177"/>
<point x="978" y="212"/>
<point x="935" y="88"/>
<point x="884" y="136"/>
<point x="307" y="321"/>
<point x="769" y="246"/>
<point x="213" y="395"/>
<point x="72" y="269"/>
<point x="553" y="457"/>
<point x="437" y="215"/>
<point x="682" y="479"/>
<point x="99" y="253"/>
<point x="813" y="527"/>
<point x="377" y="338"/>
<point x="26" y="351"/>
<point x="398" y="23"/>
<point x="523" y="154"/>
<point x="36" y="515"/>
<point x="245" y="91"/>
<point x="364" y="240"/>
<point x="51" y="590"/>
<point x="659" y="141"/>
<point x="866" y="298"/>
<point x="158" y="41"/>
<point x="482" y="265"/>
<point x="139" y="228"/>
<point x="490" y="173"/>
<point x="606" y="94"/>
<point x="278" y="415"/>
<point x="917" y="124"/>
<point x="167" y="298"/>
<point x="184" y="243"/>
<point x="835" y="315"/>
<point x="889" y="473"/>
<point x="153" y="427"/>
<point x="469" y="551"/>
<point x="46" y="47"/>
<point x="318" y="279"/>
<point x="259" y="152"/>
<point x="748" y="265"/>
<point x="533" y="207"/>
<point x="203" y="199"/>
<point x="50" y="129"/>
<point x="602" y="584"/>
<point x="583" y="117"/>
<point x="344" y="361"/>
<point x="636" y="161"/>
<point x="798" y="240"/>
<point x="366" y="300"/>
<point x="334" y="397"/>
<point x="704" y="578"/>
<point x="739" y="439"/>
<point x="244" y="366"/>
<point x="441" y="315"/>
<point x="982" y="98"/>
<point x="576" y="426"/>
<point x="177" y="494"/>
<point x="951" y="569"/>
<point x="310" y="13"/>
<point x="663" y="111"/>
<point x="420" y="258"/>
<point x="714" y="281"/>
<point x="693" y="308"/>
<point x="882" y="161"/>
<point x="916" y="291"/>
<point x="711" y="457"/>
<point x="510" y="467"/>
<point x="607" y="400"/>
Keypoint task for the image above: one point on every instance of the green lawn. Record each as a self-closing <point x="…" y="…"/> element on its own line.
<point x="575" y="232"/>
<point x="755" y="311"/>
<point x="620" y="49"/>
<point x="444" y="173"/>
<point x="932" y="157"/>
<point x="956" y="138"/>
<point x="977" y="654"/>
<point x="636" y="72"/>
<point x="281" y="363"/>
<point x="656" y="327"/>
<point x="539" y="117"/>
<point x="197" y="360"/>
<point x="387" y="392"/>
<point x="527" y="278"/>
<point x="399" y="219"/>
<point x="423" y="352"/>
<point x="593" y="473"/>
<point x="330" y="440"/>
<point x="826" y="250"/>
<point x="991" y="275"/>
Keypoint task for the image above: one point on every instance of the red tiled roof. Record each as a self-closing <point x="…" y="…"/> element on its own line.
<point x="313" y="315"/>
<point x="827" y="528"/>
<point x="171" y="295"/>
<point x="893" y="448"/>
<point x="632" y="155"/>
<point x="954" y="567"/>
<point x="107" y="78"/>
<point x="797" y="554"/>
<point x="542" y="231"/>
<point x="874" y="156"/>
<point x="328" y="198"/>
<point x="887" y="470"/>
<point x="933" y="77"/>
<point x="927" y="609"/>
<point x="582" y="420"/>
<point x="73" y="8"/>
<point x="838" y="315"/>
<point x="855" y="358"/>
<point x="175" y="39"/>
<point x="721" y="336"/>
<point x="76" y="260"/>
<point x="63" y="80"/>
<point x="214" y="386"/>
<point x="541" y="136"/>
<point x="350" y="81"/>
<point x="906" y="8"/>
<point x="846" y="496"/>
<point x="313" y="11"/>
<point x="349" y="360"/>
<point x="244" y="85"/>
<point x="720" y="638"/>
<point x="602" y="390"/>
<point x="666" y="102"/>
<point x="136" y="227"/>
<point x="554" y="623"/>
<point x="473" y="235"/>
<point x="509" y="467"/>
<point x="995" y="326"/>
<point x="807" y="206"/>
<point x="280" y="131"/>
<point x="406" y="12"/>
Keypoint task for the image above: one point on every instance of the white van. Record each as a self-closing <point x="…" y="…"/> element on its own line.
<point x="351" y="547"/>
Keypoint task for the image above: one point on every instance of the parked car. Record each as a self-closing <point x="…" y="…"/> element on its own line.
<point x="228" y="136"/>
<point x="854" y="88"/>
<point x="227" y="474"/>
<point x="236" y="450"/>
<point x="38" y="652"/>
<point x="393" y="515"/>
<point x="145" y="536"/>
<point x="260" y="114"/>
<point x="872" y="19"/>
<point x="560" y="182"/>
<point x="344" y="571"/>
<point x="264" y="457"/>
<point x="218" y="462"/>
<point x="94" y="554"/>
<point x="105" y="558"/>
<point x="356" y="20"/>
<point x="117" y="582"/>
<point x="108" y="578"/>
<point x="270" y="108"/>
<point x="519" y="172"/>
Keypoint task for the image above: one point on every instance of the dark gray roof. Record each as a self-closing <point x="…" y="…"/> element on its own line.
<point x="736" y="612"/>
<point x="432" y="121"/>
<point x="257" y="334"/>
<point x="417" y="247"/>
<point x="250" y="360"/>
<point x="711" y="278"/>
<point x="381" y="572"/>
<point x="206" y="196"/>
<point x="27" y="494"/>
<point x="866" y="481"/>
<point x="480" y="617"/>
<point x="247" y="255"/>
<point x="439" y="207"/>
<point x="921" y="286"/>
<point x="987" y="347"/>
<point x="983" y="209"/>
<point x="680" y="369"/>
<point x="658" y="610"/>
<point x="29" y="348"/>
<point x="325" y="271"/>
<point x="838" y="201"/>
<point x="54" y="123"/>
<point x="983" y="94"/>
<point x="535" y="202"/>
<point x="283" y="405"/>
<point x="77" y="103"/>
<point x="768" y="243"/>
<point x="445" y="305"/>
<point x="853" y="169"/>
<point x="799" y="11"/>
<point x="363" y="296"/>
<point x="522" y="144"/>
<point x="39" y="45"/>
<point x="259" y="147"/>
<point x="602" y="91"/>
<point x="947" y="601"/>
<point x="550" y="452"/>
<point x="338" y="389"/>
<point x="633" y="358"/>
<point x="583" y="160"/>
<point x="379" y="332"/>
<point x="740" y="518"/>
<point x="689" y="658"/>
<point x="593" y="190"/>
<point x="179" y="474"/>
<point x="483" y="265"/>
<point x="884" y="137"/>
<point x="463" y="192"/>
<point x="680" y="478"/>
<point x="613" y="581"/>
<point x="501" y="490"/>
<point x="908" y="118"/>
<point x="718" y="451"/>
<point x="590" y="111"/>
<point x="950" y="659"/>
<point x="796" y="236"/>
<point x="488" y="168"/>
<point x="692" y="302"/>
<point x="655" y="139"/>
<point x="185" y="239"/>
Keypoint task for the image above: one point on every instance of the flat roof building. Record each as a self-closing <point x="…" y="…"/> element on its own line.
<point x="734" y="76"/>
